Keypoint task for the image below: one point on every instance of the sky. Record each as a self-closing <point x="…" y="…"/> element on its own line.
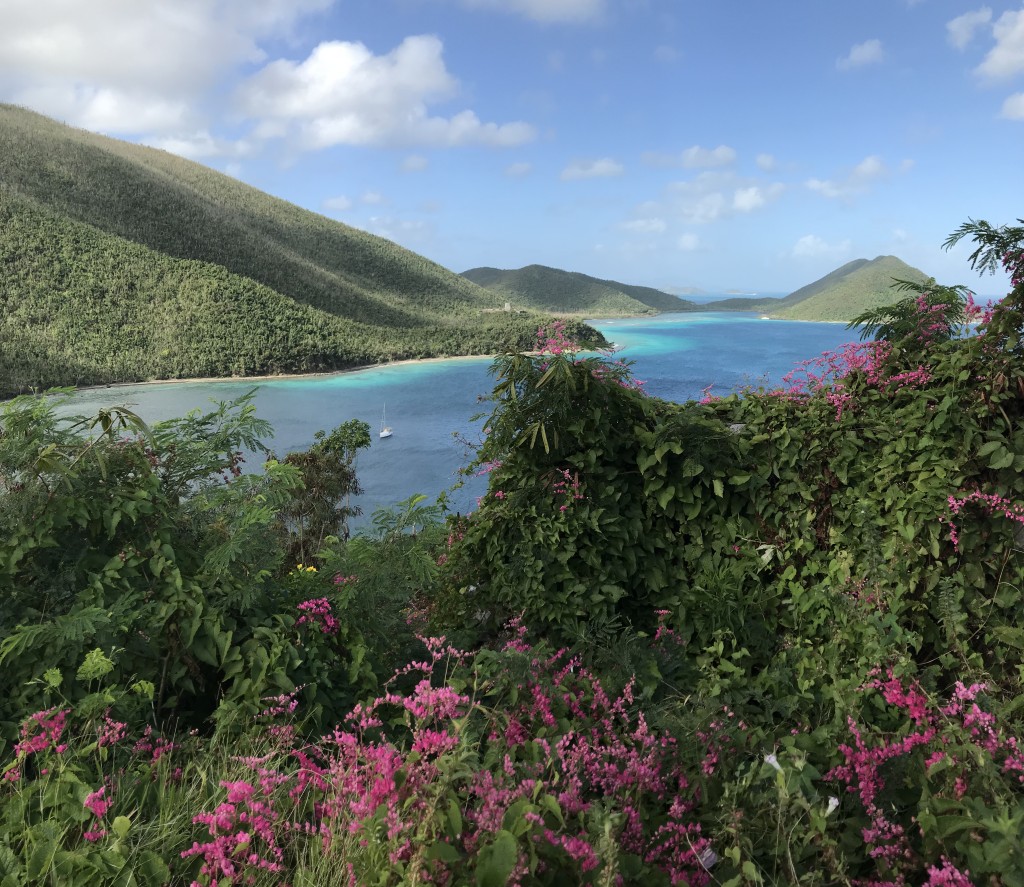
<point x="728" y="145"/>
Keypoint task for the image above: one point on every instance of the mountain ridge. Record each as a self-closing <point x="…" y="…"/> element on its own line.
<point x="543" y="288"/>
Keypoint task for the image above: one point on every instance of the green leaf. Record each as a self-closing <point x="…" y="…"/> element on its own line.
<point x="496" y="861"/>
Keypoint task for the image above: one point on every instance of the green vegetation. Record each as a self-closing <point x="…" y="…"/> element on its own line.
<point x="551" y="290"/>
<point x="769" y="638"/>
<point x="850" y="290"/>
<point x="123" y="263"/>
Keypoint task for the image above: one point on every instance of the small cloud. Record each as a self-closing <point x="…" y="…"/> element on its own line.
<point x="337" y="204"/>
<point x="810" y="246"/>
<point x="546" y="10"/>
<point x="592" y="169"/>
<point x="704" y="158"/>
<point x="870" y="169"/>
<point x="688" y="243"/>
<point x="372" y="198"/>
<point x="667" y="54"/>
<point x="765" y="162"/>
<point x="1006" y="58"/>
<point x="415" y="163"/>
<point x="645" y="226"/>
<point x="907" y="164"/>
<point x="518" y="170"/>
<point x="960" y="31"/>
<point x="1013" y="107"/>
<point x="745" y="200"/>
<point x="867" y="53"/>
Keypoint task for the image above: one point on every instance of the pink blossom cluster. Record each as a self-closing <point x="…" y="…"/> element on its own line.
<point x="932" y="323"/>
<point x="553" y="340"/>
<point x="566" y="483"/>
<point x="991" y="503"/>
<point x="828" y="374"/>
<point x="42" y="731"/>
<point x="317" y="611"/>
<point x="243" y="837"/>
<point x="931" y="730"/>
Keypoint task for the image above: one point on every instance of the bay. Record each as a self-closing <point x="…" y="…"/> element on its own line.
<point x="431" y="405"/>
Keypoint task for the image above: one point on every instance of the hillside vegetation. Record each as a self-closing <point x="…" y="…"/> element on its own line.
<point x="769" y="638"/>
<point x="123" y="263"/>
<point x="539" y="288"/>
<point x="841" y="295"/>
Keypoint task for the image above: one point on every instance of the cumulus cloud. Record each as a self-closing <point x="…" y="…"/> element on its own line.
<point x="1013" y="107"/>
<point x="704" y="158"/>
<point x="127" y="67"/>
<point x="765" y="162"/>
<point x="960" y="31"/>
<point x="867" y="53"/>
<point x="337" y="204"/>
<point x="1006" y="58"/>
<point x="372" y="198"/>
<point x="856" y="181"/>
<point x="546" y="10"/>
<point x="592" y="169"/>
<point x="343" y="94"/>
<point x="810" y="246"/>
<point x="714" y="195"/>
<point x="195" y="146"/>
<point x="688" y="242"/>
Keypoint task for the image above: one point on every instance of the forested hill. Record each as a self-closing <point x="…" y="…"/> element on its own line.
<point x="850" y="290"/>
<point x="539" y="288"/>
<point x="124" y="263"/>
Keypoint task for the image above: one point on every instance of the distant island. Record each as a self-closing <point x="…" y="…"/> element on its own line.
<point x="540" y="288"/>
<point x="124" y="263"/>
<point x="840" y="295"/>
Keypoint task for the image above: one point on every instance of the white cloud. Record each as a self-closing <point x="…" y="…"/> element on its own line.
<point x="123" y="66"/>
<point x="592" y="169"/>
<point x="343" y="94"/>
<point x="518" y="170"/>
<point x="688" y="242"/>
<point x="1006" y="58"/>
<point x="960" y="31"/>
<point x="415" y="163"/>
<point x="765" y="162"/>
<point x="703" y="158"/>
<point x="867" y="53"/>
<point x="338" y="204"/>
<point x="645" y="226"/>
<point x="546" y="10"/>
<point x="856" y="181"/>
<point x="810" y="246"/>
<point x="745" y="200"/>
<point x="1013" y="107"/>
<point x="195" y="146"/>
<point x="713" y="195"/>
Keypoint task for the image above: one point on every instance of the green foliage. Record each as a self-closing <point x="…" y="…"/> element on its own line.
<point x="123" y="263"/>
<point x="322" y="505"/>
<point x="157" y="545"/>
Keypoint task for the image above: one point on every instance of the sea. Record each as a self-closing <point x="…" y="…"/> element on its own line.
<point x="436" y="408"/>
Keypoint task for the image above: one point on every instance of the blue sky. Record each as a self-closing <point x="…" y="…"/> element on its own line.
<point x="731" y="144"/>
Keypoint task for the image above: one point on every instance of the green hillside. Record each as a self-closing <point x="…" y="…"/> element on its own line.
<point x="124" y="263"/>
<point x="539" y="288"/>
<point x="840" y="295"/>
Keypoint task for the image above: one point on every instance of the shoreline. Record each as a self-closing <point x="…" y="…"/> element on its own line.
<point x="198" y="380"/>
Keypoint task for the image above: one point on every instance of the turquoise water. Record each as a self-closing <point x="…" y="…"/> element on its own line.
<point x="429" y="405"/>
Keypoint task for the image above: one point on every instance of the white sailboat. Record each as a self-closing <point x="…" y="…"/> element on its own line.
<point x="385" y="431"/>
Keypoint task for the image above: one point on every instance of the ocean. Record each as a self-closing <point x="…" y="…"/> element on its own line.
<point x="431" y="406"/>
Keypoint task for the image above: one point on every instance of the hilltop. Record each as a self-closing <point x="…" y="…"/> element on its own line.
<point x="125" y="263"/>
<point x="843" y="294"/>
<point x="540" y="288"/>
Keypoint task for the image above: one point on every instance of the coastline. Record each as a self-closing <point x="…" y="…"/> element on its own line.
<point x="198" y="380"/>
